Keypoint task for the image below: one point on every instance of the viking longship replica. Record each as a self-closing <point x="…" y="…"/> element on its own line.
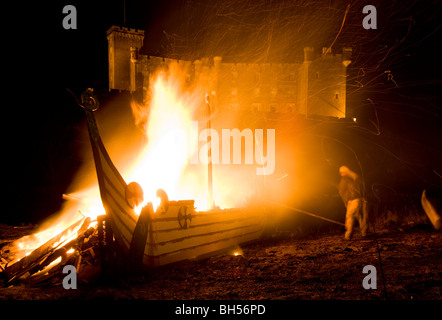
<point x="175" y="231"/>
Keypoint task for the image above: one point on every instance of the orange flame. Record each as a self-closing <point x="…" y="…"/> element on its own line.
<point x="165" y="157"/>
<point x="163" y="162"/>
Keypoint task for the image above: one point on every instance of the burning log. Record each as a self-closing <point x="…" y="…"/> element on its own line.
<point x="37" y="256"/>
<point x="173" y="232"/>
<point x="44" y="264"/>
<point x="2" y="268"/>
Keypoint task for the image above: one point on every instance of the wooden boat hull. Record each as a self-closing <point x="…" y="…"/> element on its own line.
<point x="156" y="239"/>
<point x="170" y="240"/>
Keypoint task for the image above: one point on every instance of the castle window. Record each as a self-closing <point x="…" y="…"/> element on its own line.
<point x="336" y="96"/>
<point x="290" y="107"/>
<point x="256" y="107"/>
<point x="317" y="75"/>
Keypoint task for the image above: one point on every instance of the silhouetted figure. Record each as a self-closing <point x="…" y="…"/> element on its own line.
<point x="350" y="190"/>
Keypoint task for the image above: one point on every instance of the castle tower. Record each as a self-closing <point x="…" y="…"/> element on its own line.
<point x="123" y="46"/>
<point x="327" y="82"/>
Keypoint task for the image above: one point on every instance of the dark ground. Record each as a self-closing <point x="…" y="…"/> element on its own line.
<point x="289" y="267"/>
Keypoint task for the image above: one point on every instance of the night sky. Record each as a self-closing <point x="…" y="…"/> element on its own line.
<point x="395" y="68"/>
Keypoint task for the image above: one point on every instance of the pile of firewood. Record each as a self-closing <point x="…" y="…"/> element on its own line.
<point x="44" y="265"/>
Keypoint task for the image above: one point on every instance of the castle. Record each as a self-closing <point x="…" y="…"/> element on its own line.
<point x="314" y="87"/>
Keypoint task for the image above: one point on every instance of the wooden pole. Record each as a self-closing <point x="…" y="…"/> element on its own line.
<point x="209" y="153"/>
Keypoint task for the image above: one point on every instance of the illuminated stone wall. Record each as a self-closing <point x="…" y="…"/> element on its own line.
<point x="313" y="87"/>
<point x="120" y="40"/>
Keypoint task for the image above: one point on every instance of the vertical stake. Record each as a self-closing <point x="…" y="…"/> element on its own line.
<point x="209" y="153"/>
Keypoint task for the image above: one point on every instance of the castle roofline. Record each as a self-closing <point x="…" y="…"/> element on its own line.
<point x="125" y="30"/>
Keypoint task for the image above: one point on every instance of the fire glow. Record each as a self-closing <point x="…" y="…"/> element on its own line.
<point x="165" y="161"/>
<point x="251" y="140"/>
<point x="164" y="158"/>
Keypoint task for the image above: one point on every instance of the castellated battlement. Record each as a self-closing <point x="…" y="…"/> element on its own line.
<point x="315" y="86"/>
<point x="123" y="47"/>
<point x="125" y="31"/>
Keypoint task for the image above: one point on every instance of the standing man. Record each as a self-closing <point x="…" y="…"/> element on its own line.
<point x="350" y="190"/>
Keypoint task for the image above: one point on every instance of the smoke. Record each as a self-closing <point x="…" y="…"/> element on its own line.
<point x="248" y="31"/>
